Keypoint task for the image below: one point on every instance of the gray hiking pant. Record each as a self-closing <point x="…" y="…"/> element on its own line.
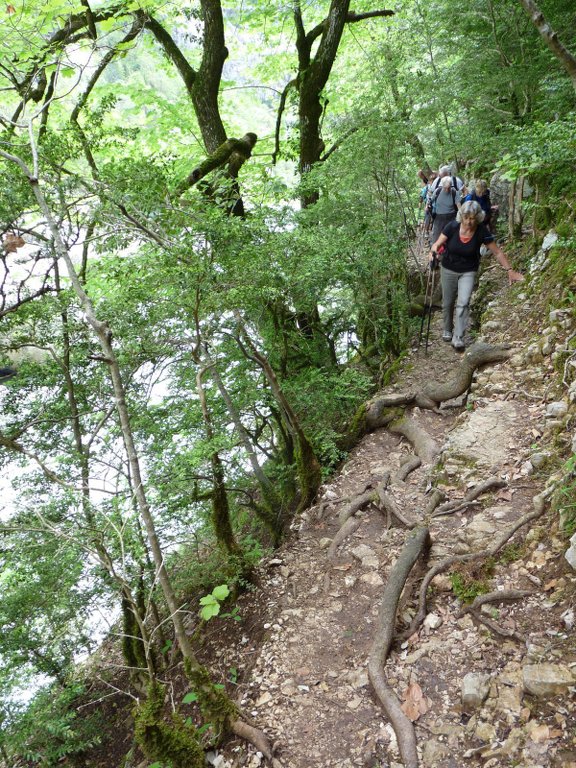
<point x="457" y="289"/>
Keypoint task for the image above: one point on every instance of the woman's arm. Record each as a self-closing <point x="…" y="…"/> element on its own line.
<point x="434" y="257"/>
<point x="513" y="276"/>
<point x="441" y="240"/>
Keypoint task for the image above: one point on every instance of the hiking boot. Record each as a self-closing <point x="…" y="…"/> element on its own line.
<point x="458" y="344"/>
<point x="447" y="336"/>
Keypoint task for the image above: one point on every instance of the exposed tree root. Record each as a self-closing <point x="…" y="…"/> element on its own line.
<point x="316" y="512"/>
<point x="382" y="410"/>
<point x="436" y="498"/>
<point x="424" y="446"/>
<point x="416" y="542"/>
<point x="257" y="738"/>
<point x="539" y="507"/>
<point x="527" y="395"/>
<point x="454" y="506"/>
<point x="391" y="508"/>
<point x="495" y="597"/>
<point x="477" y="355"/>
<point x="342" y="534"/>
<point x="409" y="466"/>
<point x="358" y="503"/>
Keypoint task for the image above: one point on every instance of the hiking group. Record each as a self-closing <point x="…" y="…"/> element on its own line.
<point x="459" y="225"/>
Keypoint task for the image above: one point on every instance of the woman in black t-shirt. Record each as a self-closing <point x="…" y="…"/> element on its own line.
<point x="462" y="240"/>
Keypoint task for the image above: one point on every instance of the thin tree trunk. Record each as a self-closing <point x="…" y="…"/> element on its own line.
<point x="220" y="508"/>
<point x="271" y="509"/>
<point x="309" y="469"/>
<point x="550" y="37"/>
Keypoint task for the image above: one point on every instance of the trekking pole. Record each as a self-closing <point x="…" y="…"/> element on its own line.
<point x="428" y="296"/>
<point x="433" y="267"/>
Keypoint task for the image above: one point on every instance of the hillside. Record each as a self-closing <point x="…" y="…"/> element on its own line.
<point x="485" y="675"/>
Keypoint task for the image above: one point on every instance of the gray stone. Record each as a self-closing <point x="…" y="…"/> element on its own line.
<point x="570" y="553"/>
<point x="434" y="752"/>
<point x="485" y="436"/>
<point x="556" y="410"/>
<point x="475" y="688"/>
<point x="549" y="241"/>
<point x="371" y="578"/>
<point x="545" y="680"/>
<point x="433" y="621"/>
<point x="538" y="460"/>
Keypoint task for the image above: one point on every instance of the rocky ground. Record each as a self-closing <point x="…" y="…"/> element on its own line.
<point x="483" y="684"/>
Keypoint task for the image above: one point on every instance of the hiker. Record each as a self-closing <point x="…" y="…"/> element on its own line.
<point x="429" y="204"/>
<point x="423" y="194"/>
<point x="445" y="206"/>
<point x="460" y="259"/>
<point x="481" y="195"/>
<point x="446" y="170"/>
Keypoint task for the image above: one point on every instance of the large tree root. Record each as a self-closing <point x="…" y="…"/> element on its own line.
<point x="257" y="738"/>
<point x="477" y="355"/>
<point x="341" y="535"/>
<point x="382" y="410"/>
<point x="416" y="542"/>
<point x="539" y="507"/>
<point x="406" y="468"/>
<point x="424" y="446"/>
<point x="391" y="508"/>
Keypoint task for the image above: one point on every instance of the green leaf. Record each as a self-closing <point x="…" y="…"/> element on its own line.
<point x="209" y="611"/>
<point x="221" y="592"/>
<point x="190" y="698"/>
<point x="208" y="600"/>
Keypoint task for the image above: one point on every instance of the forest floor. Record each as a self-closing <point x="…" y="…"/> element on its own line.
<point x="492" y="687"/>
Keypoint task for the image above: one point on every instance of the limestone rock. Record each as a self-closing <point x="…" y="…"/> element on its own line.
<point x="433" y="621"/>
<point x="556" y="410"/>
<point x="544" y="680"/>
<point x="475" y="688"/>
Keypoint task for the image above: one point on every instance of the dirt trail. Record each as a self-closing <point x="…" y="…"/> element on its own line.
<point x="308" y="684"/>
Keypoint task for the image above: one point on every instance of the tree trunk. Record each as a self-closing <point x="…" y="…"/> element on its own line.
<point x="220" y="507"/>
<point x="270" y="510"/>
<point x="550" y="37"/>
<point x="309" y="469"/>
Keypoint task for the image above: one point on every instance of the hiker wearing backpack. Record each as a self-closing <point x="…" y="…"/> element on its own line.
<point x="460" y="243"/>
<point x="428" y="213"/>
<point x="443" y="171"/>
<point x="481" y="195"/>
<point x="446" y="203"/>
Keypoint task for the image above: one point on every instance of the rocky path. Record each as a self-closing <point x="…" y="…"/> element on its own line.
<point x="486" y="689"/>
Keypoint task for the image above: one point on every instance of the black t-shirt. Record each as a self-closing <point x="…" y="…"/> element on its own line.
<point x="464" y="257"/>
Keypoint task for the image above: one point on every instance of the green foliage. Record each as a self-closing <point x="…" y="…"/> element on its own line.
<point x="49" y="730"/>
<point x="511" y="553"/>
<point x="564" y="500"/>
<point x="200" y="571"/>
<point x="322" y="291"/>
<point x="466" y="587"/>
<point x="543" y="151"/>
<point x="215" y="705"/>
<point x="211" y="603"/>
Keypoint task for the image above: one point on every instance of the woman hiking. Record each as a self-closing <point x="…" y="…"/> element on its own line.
<point x="462" y="240"/>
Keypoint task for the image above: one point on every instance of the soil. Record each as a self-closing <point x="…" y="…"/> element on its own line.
<point x="296" y="662"/>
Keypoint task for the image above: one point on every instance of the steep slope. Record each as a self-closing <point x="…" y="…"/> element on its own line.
<point x="484" y="684"/>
